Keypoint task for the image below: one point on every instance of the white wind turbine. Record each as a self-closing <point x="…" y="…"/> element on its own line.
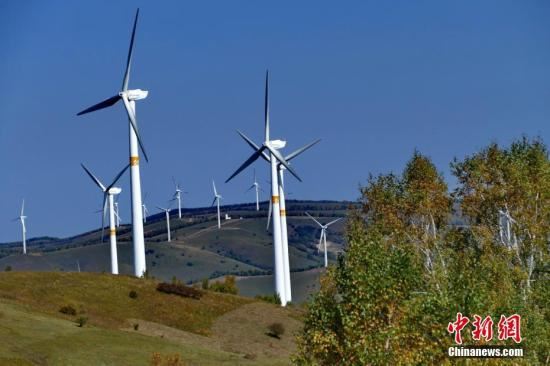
<point x="177" y="195"/>
<point x="269" y="152"/>
<point x="256" y="185"/>
<point x="217" y="198"/>
<point x="117" y="215"/>
<point x="323" y="237"/>
<point x="22" y="219"/>
<point x="129" y="97"/>
<point x="109" y="193"/>
<point x="167" y="213"/>
<point x="145" y="211"/>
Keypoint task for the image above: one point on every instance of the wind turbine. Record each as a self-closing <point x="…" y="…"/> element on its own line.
<point x="177" y="196"/>
<point x="22" y="219"/>
<point x="269" y="151"/>
<point x="217" y="198"/>
<point x="109" y="193"/>
<point x="167" y="212"/>
<point x="117" y="215"/>
<point x="129" y="97"/>
<point x="145" y="211"/>
<point x="323" y="237"/>
<point x="256" y="185"/>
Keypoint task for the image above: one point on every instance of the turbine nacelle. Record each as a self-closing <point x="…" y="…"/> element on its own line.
<point x="134" y="94"/>
<point x="114" y="191"/>
<point x="276" y="144"/>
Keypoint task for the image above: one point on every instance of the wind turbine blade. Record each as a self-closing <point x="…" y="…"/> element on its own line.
<point x="132" y="119"/>
<point x="214" y="186"/>
<point x="214" y="201"/>
<point x="161" y="208"/>
<point x="333" y="221"/>
<point x="253" y="145"/>
<point x="254" y="175"/>
<point x="320" y="240"/>
<point x="118" y="176"/>
<point x="23" y="224"/>
<point x="282" y="161"/>
<point x="103" y="215"/>
<point x="249" y="161"/>
<point x="130" y="50"/>
<point x="300" y="150"/>
<point x="313" y="218"/>
<point x="23" y="208"/>
<point x="96" y="181"/>
<point x="104" y="104"/>
<point x="269" y="214"/>
<point x="266" y="106"/>
<point x="252" y="186"/>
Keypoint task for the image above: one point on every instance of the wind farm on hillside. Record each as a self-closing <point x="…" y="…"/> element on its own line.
<point x="386" y="207"/>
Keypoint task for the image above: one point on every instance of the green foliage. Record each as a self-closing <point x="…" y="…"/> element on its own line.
<point x="272" y="299"/>
<point x="180" y="290"/>
<point x="407" y="270"/>
<point x="228" y="286"/>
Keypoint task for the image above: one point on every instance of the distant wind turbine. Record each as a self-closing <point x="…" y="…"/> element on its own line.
<point x="256" y="185"/>
<point x="217" y="198"/>
<point x="129" y="97"/>
<point x="22" y="219"/>
<point x="144" y="209"/>
<point x="108" y="197"/>
<point x="177" y="195"/>
<point x="323" y="237"/>
<point x="117" y="214"/>
<point x="167" y="212"/>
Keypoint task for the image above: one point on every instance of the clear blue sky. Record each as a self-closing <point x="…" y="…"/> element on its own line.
<point x="373" y="79"/>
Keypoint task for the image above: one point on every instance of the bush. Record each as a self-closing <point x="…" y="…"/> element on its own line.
<point x="228" y="286"/>
<point x="81" y="321"/>
<point x="276" y="330"/>
<point x="169" y="360"/>
<point x="68" y="310"/>
<point x="205" y="284"/>
<point x="272" y="299"/>
<point x="136" y="326"/>
<point x="8" y="269"/>
<point x="180" y="290"/>
<point x="133" y="294"/>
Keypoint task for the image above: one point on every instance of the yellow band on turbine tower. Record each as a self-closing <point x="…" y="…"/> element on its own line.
<point x="134" y="160"/>
<point x="112" y="231"/>
<point x="274" y="199"/>
<point x="283" y="212"/>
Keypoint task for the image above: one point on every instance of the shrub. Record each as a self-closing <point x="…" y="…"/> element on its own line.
<point x="276" y="330"/>
<point x="133" y="294"/>
<point x="205" y="284"/>
<point x="136" y="326"/>
<point x="81" y="321"/>
<point x="273" y="299"/>
<point x="68" y="310"/>
<point x="169" y="360"/>
<point x="228" y="286"/>
<point x="8" y="269"/>
<point x="179" y="289"/>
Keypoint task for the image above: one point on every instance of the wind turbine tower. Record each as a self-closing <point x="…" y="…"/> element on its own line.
<point x="323" y="237"/>
<point x="22" y="219"/>
<point x="109" y="193"/>
<point x="217" y="198"/>
<point x="269" y="151"/>
<point x="129" y="97"/>
<point x="256" y="186"/>
<point x="167" y="213"/>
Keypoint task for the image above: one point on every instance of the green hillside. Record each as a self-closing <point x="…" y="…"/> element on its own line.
<point x="216" y="329"/>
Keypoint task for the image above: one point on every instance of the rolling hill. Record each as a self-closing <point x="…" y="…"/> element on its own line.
<point x="198" y="249"/>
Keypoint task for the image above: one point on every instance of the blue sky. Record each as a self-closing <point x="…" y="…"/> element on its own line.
<point x="374" y="80"/>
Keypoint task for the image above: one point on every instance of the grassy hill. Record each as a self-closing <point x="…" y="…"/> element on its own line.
<point x="217" y="329"/>
<point x="198" y="249"/>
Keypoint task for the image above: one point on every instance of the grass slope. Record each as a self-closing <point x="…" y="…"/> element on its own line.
<point x="217" y="329"/>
